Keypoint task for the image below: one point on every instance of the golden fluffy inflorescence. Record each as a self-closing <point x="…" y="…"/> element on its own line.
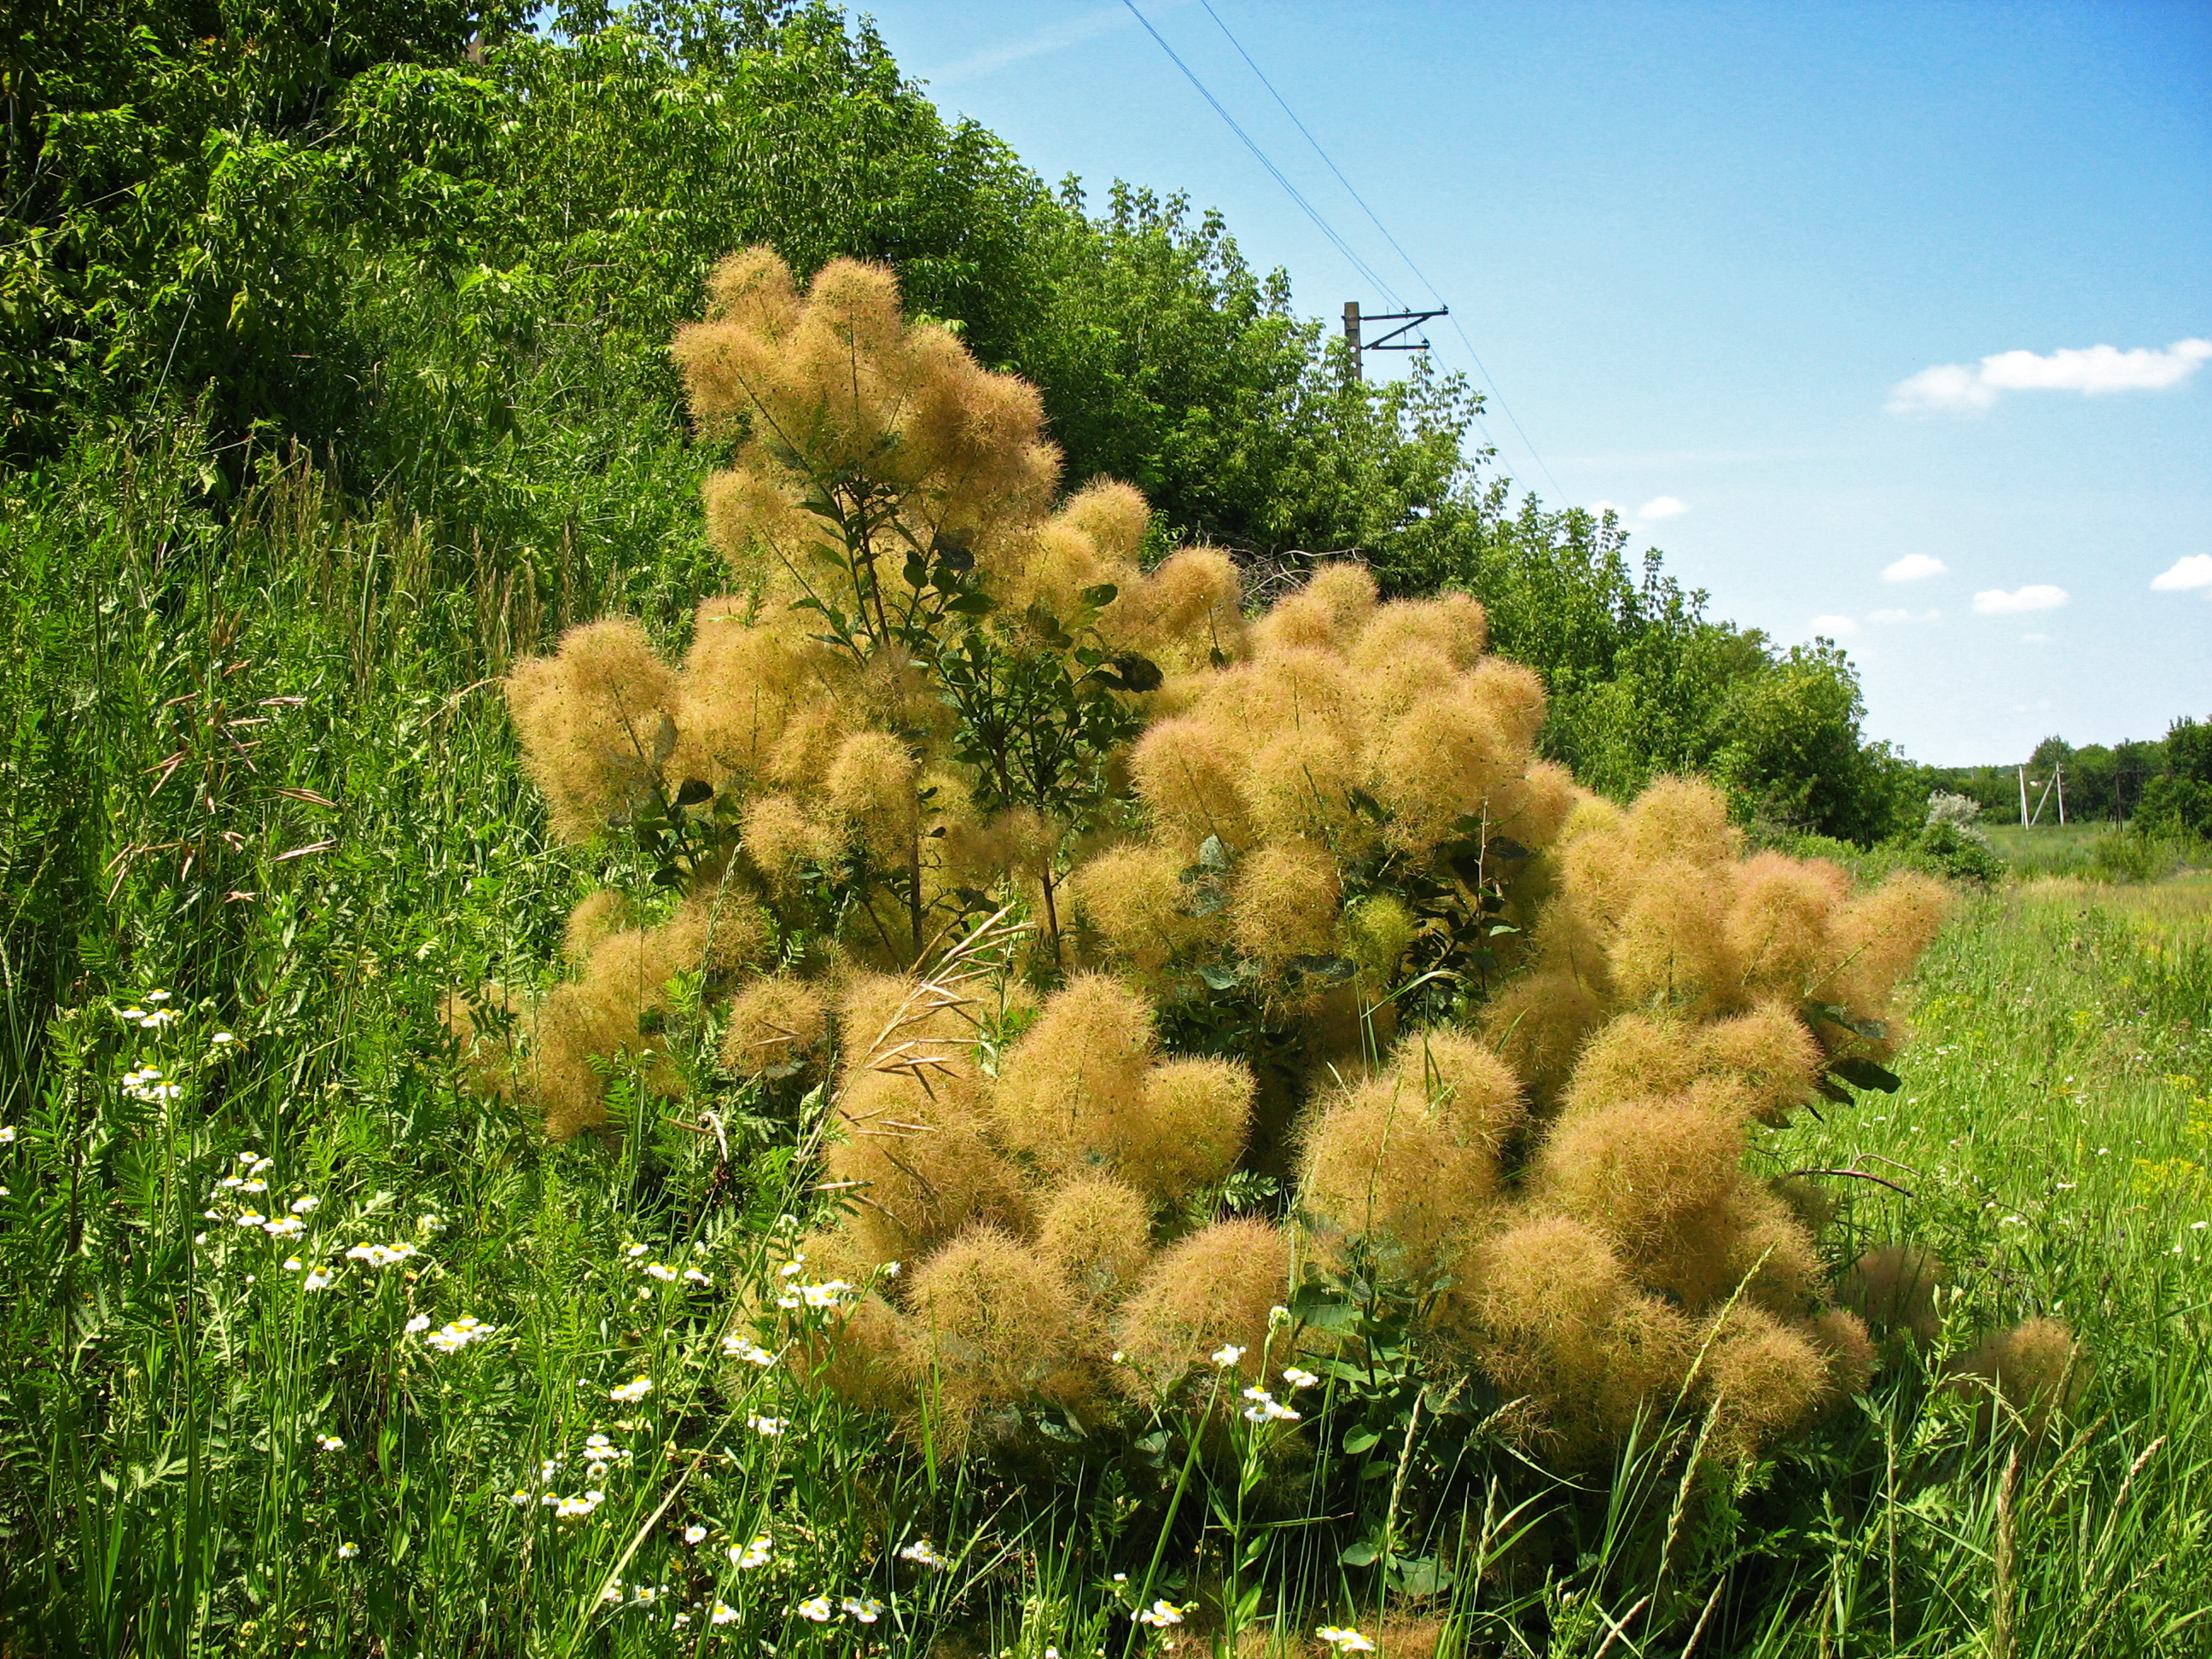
<point x="1349" y="734"/>
<point x="1317" y="802"/>
<point x="1022" y="1210"/>
<point x="866" y="443"/>
<point x="1575" y="1181"/>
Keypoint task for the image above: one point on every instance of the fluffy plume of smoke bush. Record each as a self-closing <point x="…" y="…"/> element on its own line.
<point x="1893" y="1287"/>
<point x="773" y="1022"/>
<point x="2030" y="1374"/>
<point x="1308" y="800"/>
<point x="1216" y="1290"/>
<point x="865" y="442"/>
<point x="989" y="1331"/>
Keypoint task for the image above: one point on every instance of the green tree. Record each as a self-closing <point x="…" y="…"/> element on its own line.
<point x="2178" y="801"/>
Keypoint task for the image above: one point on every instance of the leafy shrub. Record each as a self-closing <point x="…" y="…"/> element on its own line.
<point x="1951" y="843"/>
<point x="1230" y="897"/>
<point x="2131" y="854"/>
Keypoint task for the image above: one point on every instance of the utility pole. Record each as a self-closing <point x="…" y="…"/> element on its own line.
<point x="2059" y="772"/>
<point x="1356" y="346"/>
<point x="2023" y="798"/>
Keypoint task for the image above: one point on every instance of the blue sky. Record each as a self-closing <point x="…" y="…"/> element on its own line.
<point x="1709" y="255"/>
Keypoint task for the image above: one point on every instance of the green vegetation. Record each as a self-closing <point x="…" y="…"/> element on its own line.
<point x="444" y="255"/>
<point x="164" y="1488"/>
<point x="344" y="395"/>
<point x="2159" y="787"/>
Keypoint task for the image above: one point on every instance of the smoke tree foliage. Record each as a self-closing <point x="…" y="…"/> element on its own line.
<point x="934" y="696"/>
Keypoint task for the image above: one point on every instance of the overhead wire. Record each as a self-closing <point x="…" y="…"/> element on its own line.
<point x="1311" y="212"/>
<point x="1374" y="218"/>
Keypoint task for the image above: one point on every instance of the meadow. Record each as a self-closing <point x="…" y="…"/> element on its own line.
<point x="310" y="1348"/>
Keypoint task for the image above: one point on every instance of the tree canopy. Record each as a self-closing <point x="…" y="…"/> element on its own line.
<point x="442" y="246"/>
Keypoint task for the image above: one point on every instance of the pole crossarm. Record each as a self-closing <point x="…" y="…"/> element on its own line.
<point x="1407" y="321"/>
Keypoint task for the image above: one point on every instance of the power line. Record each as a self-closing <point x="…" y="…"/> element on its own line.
<point x="1318" y="150"/>
<point x="1261" y="155"/>
<point x="1373" y="219"/>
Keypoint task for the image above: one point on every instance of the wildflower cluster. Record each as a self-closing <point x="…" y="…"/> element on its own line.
<point x="861" y="1609"/>
<point x="756" y="1552"/>
<point x="453" y="1337"/>
<point x="150" y="1019"/>
<point x="148" y="1084"/>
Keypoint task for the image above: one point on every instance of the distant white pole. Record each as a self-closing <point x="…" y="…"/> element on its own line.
<point x="2023" y="798"/>
<point x="2060" y="772"/>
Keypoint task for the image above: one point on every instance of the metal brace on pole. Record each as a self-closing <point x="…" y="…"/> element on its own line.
<point x="1356" y="346"/>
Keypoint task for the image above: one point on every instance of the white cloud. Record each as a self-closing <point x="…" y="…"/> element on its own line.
<point x="2035" y="639"/>
<point x="2194" y="571"/>
<point x="1906" y="616"/>
<point x="1949" y="388"/>
<point x="1659" y="507"/>
<point x="1914" y="567"/>
<point x="2036" y="596"/>
<point x="1969" y="388"/>
<point x="1833" y="628"/>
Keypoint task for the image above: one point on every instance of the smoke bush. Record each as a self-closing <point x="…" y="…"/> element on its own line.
<point x="1242" y="845"/>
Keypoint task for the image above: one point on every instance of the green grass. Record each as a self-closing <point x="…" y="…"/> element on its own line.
<point x="2097" y="852"/>
<point x="164" y="1378"/>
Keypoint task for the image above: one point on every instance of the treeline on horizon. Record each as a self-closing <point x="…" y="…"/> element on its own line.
<point x="2163" y="787"/>
<point x="436" y="251"/>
